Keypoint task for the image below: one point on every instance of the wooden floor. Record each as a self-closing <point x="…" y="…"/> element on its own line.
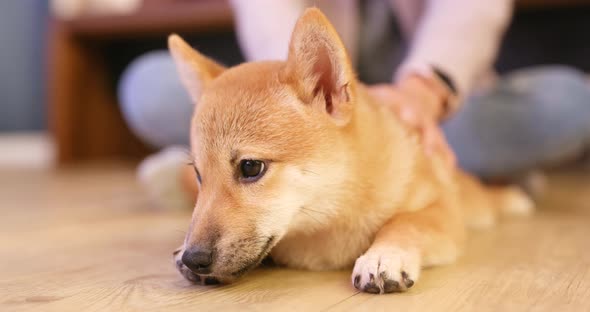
<point x="86" y="239"/>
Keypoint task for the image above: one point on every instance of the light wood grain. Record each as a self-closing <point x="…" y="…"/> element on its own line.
<point x="86" y="239"/>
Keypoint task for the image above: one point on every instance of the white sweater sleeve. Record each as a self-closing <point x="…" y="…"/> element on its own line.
<point x="461" y="37"/>
<point x="264" y="27"/>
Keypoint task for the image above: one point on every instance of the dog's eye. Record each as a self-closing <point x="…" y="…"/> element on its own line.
<point x="252" y="170"/>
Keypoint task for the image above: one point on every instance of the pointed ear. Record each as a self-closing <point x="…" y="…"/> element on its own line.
<point x="195" y="70"/>
<point x="319" y="67"/>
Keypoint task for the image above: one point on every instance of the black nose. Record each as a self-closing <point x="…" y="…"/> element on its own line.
<point x="198" y="260"/>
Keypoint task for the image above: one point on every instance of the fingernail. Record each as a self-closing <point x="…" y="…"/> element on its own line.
<point x="407" y="114"/>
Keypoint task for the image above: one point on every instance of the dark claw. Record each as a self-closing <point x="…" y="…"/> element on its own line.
<point x="390" y="286"/>
<point x="357" y="282"/>
<point x="407" y="281"/>
<point x="371" y="288"/>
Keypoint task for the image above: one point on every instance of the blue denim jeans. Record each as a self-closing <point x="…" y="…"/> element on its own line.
<point x="153" y="101"/>
<point x="531" y="118"/>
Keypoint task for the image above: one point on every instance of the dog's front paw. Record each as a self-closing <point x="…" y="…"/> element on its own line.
<point x="386" y="270"/>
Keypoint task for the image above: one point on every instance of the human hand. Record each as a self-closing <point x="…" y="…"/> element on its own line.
<point x="420" y="106"/>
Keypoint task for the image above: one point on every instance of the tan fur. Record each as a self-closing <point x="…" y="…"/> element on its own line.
<point x="347" y="184"/>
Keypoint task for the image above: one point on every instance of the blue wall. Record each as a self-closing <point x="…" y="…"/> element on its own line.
<point x="22" y="56"/>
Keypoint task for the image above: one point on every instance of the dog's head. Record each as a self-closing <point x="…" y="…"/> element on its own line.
<point x="271" y="146"/>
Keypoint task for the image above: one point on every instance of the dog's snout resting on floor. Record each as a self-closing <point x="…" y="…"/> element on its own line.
<point x="296" y="160"/>
<point x="197" y="259"/>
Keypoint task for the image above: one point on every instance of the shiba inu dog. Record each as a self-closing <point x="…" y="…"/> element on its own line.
<point x="294" y="159"/>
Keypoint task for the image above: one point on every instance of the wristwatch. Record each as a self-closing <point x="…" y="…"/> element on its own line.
<point x="451" y="101"/>
<point x="446" y="79"/>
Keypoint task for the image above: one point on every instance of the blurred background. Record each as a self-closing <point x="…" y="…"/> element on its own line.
<point x="61" y="64"/>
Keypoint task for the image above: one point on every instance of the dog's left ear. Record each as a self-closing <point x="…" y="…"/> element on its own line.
<point x="319" y="67"/>
<point x="195" y="69"/>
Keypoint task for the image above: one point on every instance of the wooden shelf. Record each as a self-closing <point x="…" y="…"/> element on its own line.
<point x="83" y="111"/>
<point x="186" y="16"/>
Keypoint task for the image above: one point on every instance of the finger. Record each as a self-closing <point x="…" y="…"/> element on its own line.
<point x="387" y="96"/>
<point x="382" y="93"/>
<point x="408" y="114"/>
<point x="430" y="139"/>
<point x="444" y="148"/>
<point x="450" y="155"/>
<point x="436" y="144"/>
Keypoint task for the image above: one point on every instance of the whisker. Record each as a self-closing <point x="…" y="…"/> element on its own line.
<point x="312" y="217"/>
<point x="308" y="171"/>
<point x="316" y="211"/>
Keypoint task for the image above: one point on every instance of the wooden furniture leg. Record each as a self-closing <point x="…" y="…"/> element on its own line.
<point x="84" y="114"/>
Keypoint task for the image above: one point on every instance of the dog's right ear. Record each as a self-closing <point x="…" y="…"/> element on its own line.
<point x="195" y="70"/>
<point x="319" y="68"/>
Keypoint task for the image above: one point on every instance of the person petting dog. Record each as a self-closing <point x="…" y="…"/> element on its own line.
<point x="430" y="61"/>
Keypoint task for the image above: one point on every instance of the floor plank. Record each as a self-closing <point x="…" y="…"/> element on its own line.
<point x="86" y="239"/>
